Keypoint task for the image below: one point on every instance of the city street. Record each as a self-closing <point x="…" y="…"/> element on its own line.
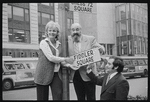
<point x="138" y="86"/>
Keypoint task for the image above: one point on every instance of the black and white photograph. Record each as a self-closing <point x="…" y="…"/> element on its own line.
<point x="74" y="51"/>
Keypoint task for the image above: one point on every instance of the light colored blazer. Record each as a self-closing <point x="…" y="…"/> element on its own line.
<point x="87" y="42"/>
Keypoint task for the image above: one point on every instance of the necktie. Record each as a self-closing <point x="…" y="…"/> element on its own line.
<point x="76" y="47"/>
<point x="108" y="78"/>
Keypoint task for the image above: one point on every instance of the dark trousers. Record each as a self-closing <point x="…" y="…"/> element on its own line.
<point x="84" y="90"/>
<point x="56" y="89"/>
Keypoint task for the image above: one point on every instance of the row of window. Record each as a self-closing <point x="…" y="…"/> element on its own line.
<point x="137" y="12"/>
<point x="139" y="46"/>
<point x="135" y="62"/>
<point x="19" y="66"/>
<point x="17" y="13"/>
<point x="137" y="28"/>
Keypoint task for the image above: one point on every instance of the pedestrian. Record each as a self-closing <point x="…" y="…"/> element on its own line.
<point x="48" y="71"/>
<point x="114" y="84"/>
<point x="78" y="42"/>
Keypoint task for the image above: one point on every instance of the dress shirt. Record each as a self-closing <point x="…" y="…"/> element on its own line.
<point x="48" y="53"/>
<point x="78" y="44"/>
<point x="112" y="75"/>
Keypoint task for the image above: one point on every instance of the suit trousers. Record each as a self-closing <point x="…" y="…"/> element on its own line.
<point x="84" y="90"/>
<point x="56" y="89"/>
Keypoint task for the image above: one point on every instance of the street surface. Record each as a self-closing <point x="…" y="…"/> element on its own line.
<point x="138" y="86"/>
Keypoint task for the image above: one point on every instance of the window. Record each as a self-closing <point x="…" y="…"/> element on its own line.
<point x="18" y="14"/>
<point x="124" y="48"/>
<point x="109" y="49"/>
<point x="146" y="62"/>
<point x="9" y="66"/>
<point x="16" y="35"/>
<point x="26" y="15"/>
<point x="127" y="62"/>
<point x="20" y="66"/>
<point x="123" y="28"/>
<point x="45" y="18"/>
<point x="122" y="12"/>
<point x="9" y="11"/>
<point x="134" y="62"/>
<point x="141" y="62"/>
<point x="30" y="65"/>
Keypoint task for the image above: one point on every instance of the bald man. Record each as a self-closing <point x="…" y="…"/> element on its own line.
<point x="77" y="42"/>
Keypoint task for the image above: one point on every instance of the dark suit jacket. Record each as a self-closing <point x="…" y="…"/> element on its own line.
<point x="116" y="89"/>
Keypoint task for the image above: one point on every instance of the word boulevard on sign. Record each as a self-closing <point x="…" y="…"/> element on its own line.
<point x="86" y="57"/>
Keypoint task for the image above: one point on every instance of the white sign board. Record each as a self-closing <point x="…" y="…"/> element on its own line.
<point x="82" y="7"/>
<point x="86" y="57"/>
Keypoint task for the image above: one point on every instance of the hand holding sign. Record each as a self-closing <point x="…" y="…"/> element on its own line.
<point x="69" y="60"/>
<point x="85" y="58"/>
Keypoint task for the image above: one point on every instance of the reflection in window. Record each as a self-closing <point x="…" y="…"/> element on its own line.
<point x="45" y="18"/>
<point x="18" y="14"/>
<point x="9" y="9"/>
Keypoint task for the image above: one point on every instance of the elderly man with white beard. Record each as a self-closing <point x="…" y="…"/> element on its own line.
<point x="78" y="42"/>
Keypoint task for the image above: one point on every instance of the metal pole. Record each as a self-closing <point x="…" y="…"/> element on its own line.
<point x="64" y="43"/>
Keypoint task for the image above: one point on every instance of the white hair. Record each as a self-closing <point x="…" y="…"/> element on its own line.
<point x="76" y="25"/>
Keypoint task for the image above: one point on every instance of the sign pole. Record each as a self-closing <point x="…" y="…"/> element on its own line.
<point x="64" y="45"/>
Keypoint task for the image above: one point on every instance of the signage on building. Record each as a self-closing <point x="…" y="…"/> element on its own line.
<point x="82" y="7"/>
<point x="85" y="58"/>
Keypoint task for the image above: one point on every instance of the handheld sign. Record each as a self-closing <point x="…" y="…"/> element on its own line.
<point x="85" y="58"/>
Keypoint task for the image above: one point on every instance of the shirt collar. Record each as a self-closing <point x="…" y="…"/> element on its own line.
<point x="57" y="43"/>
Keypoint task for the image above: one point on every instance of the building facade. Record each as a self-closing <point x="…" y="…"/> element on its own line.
<point x="120" y="27"/>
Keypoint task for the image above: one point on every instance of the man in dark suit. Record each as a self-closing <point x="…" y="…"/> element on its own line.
<point x="114" y="84"/>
